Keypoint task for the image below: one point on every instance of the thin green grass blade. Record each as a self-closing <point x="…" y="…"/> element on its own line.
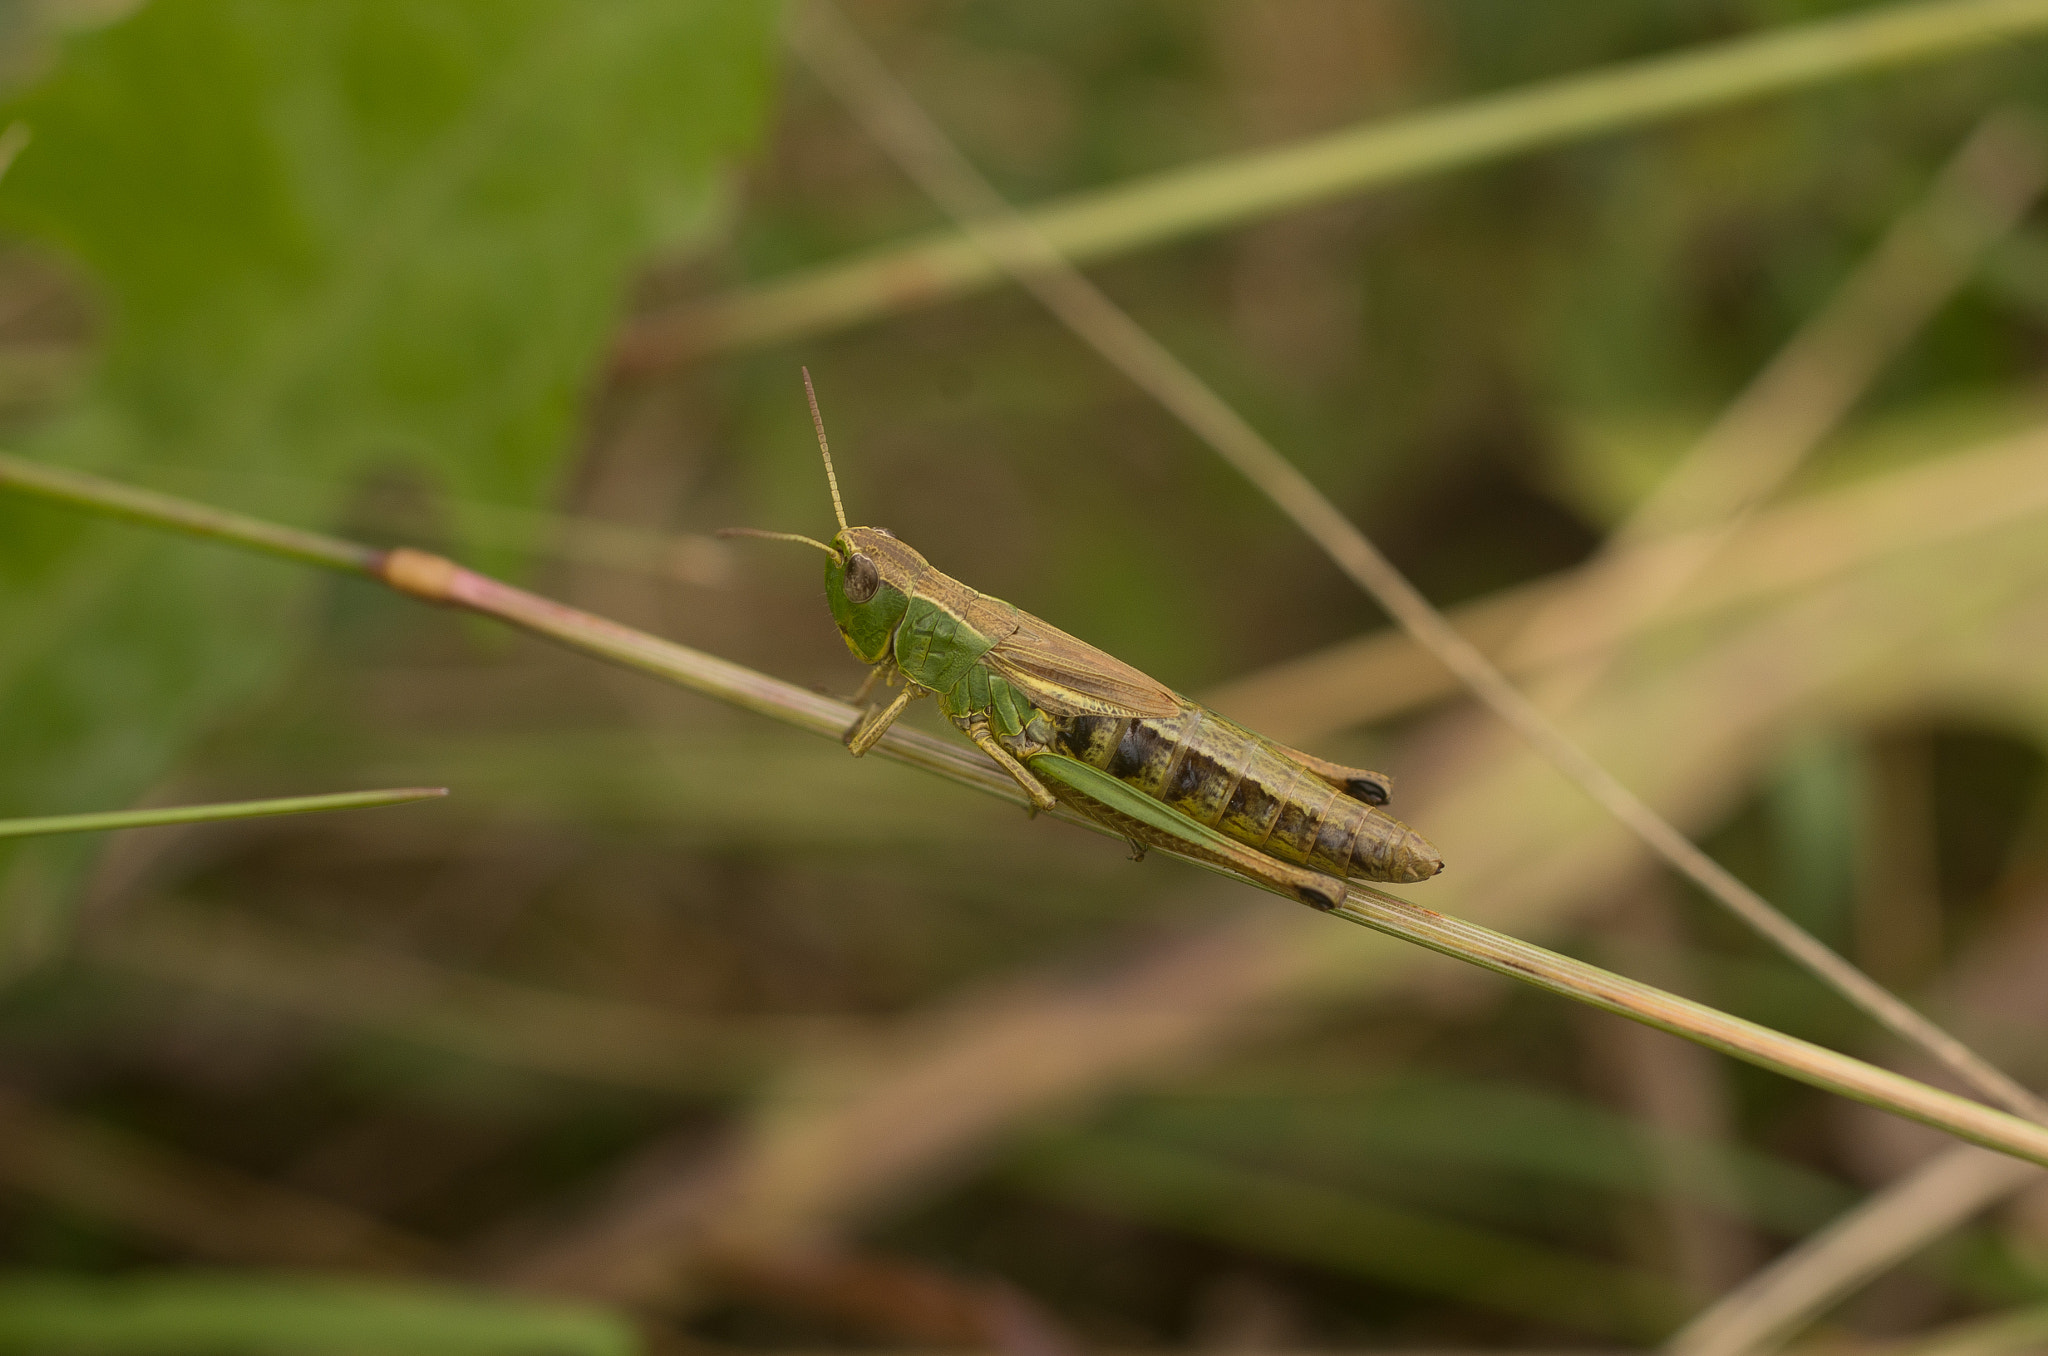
<point x="240" y="1313"/>
<point x="201" y="814"/>
<point x="1230" y="190"/>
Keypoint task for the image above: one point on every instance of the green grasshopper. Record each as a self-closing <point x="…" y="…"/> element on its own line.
<point x="1074" y="725"/>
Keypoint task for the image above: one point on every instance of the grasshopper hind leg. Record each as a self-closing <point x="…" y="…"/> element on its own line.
<point x="1359" y="783"/>
<point x="1313" y="888"/>
<point x="1145" y="822"/>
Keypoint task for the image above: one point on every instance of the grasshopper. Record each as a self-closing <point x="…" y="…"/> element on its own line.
<point x="1071" y="724"/>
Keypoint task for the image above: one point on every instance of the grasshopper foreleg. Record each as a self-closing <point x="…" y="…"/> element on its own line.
<point x="866" y="732"/>
<point x="877" y="675"/>
<point x="978" y="730"/>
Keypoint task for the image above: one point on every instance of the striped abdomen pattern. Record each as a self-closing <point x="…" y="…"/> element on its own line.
<point x="1244" y="786"/>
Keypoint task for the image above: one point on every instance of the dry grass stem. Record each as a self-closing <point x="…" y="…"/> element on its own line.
<point x="835" y="51"/>
<point x="1778" y="550"/>
<point x="1681" y="1017"/>
<point x="438" y="580"/>
<point x="1839" y="1260"/>
<point x="435" y="579"/>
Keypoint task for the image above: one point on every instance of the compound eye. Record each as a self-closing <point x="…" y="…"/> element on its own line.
<point x="862" y="579"/>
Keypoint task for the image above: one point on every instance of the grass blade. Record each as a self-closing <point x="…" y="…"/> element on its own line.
<point x="164" y="510"/>
<point x="1240" y="188"/>
<point x="206" y="814"/>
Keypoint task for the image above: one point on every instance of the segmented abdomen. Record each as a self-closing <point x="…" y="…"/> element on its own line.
<point x="1239" y="783"/>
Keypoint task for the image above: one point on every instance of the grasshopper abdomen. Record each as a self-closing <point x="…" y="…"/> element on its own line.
<point x="1249" y="789"/>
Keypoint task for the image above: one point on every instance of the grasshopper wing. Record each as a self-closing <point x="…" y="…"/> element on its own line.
<point x="1063" y="676"/>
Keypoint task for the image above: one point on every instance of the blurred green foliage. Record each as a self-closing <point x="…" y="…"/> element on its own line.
<point x="324" y="238"/>
<point x="242" y="1313"/>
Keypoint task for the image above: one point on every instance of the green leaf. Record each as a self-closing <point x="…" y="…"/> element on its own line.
<point x="329" y="236"/>
<point x="220" y="1313"/>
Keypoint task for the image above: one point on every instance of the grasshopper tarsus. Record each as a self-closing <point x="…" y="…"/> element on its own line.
<point x="1318" y="899"/>
<point x="1371" y="790"/>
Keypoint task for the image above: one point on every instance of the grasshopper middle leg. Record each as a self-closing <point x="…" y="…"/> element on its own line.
<point x="978" y="730"/>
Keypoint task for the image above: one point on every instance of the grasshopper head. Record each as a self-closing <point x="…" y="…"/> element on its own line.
<point x="869" y="578"/>
<point x="869" y="575"/>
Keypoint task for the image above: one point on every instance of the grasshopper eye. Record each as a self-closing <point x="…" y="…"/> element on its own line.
<point x="862" y="579"/>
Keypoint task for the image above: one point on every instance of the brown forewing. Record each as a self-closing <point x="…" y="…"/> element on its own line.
<point x="1067" y="677"/>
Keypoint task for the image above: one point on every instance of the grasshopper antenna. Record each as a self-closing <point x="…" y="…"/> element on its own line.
<point x="831" y="479"/>
<point x="818" y="422"/>
<point x="765" y="535"/>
